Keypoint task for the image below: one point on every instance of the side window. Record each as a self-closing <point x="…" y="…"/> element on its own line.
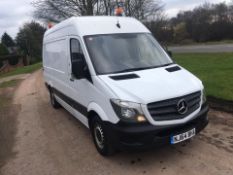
<point x="76" y="50"/>
<point x="78" y="62"/>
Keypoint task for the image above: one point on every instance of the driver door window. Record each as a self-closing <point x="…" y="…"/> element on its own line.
<point x="76" y="50"/>
<point x="78" y="63"/>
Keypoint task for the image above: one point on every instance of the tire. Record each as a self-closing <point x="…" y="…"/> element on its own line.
<point x="100" y="138"/>
<point x="53" y="100"/>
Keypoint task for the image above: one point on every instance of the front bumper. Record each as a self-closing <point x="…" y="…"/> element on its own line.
<point x="124" y="136"/>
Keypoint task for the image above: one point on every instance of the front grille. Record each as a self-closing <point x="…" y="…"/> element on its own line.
<point x="167" y="109"/>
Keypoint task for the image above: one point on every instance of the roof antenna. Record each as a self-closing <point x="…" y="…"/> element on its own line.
<point x="119" y="12"/>
<point x="118" y="23"/>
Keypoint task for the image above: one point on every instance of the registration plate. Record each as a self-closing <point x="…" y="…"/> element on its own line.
<point x="182" y="137"/>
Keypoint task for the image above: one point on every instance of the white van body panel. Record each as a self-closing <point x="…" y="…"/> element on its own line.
<point x="83" y="26"/>
<point x="83" y="119"/>
<point x="57" y="74"/>
<point x="153" y="85"/>
<point x="55" y="66"/>
<point x="96" y="108"/>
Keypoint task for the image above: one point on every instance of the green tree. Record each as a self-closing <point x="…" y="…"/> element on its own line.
<point x="7" y="40"/>
<point x="3" y="50"/>
<point x="29" y="39"/>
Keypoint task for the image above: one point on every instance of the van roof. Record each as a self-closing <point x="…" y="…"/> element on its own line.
<point x="95" y="25"/>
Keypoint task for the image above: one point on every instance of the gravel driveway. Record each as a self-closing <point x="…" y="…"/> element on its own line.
<point x="51" y="142"/>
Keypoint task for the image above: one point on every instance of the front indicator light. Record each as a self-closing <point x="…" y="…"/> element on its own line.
<point x="141" y="118"/>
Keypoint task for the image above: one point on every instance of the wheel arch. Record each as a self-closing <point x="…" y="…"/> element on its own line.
<point x="95" y="110"/>
<point x="49" y="85"/>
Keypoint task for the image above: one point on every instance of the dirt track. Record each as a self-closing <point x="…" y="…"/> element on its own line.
<point x="51" y="141"/>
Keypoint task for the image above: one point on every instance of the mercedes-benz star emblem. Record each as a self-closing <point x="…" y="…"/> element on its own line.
<point x="182" y="106"/>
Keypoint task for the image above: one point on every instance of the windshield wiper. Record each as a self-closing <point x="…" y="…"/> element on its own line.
<point x="164" y="65"/>
<point x="142" y="68"/>
<point x="131" y="70"/>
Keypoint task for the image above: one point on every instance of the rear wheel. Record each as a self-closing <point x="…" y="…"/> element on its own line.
<point x="100" y="138"/>
<point x="53" y="100"/>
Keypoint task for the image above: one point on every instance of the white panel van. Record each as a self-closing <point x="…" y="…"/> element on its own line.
<point x="113" y="76"/>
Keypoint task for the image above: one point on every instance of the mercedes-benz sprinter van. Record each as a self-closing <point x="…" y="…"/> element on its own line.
<point x="113" y="76"/>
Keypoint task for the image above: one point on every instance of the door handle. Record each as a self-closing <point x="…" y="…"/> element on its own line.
<point x="72" y="79"/>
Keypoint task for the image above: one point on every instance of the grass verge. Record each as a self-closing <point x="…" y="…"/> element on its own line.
<point x="22" y="70"/>
<point x="10" y="83"/>
<point x="214" y="69"/>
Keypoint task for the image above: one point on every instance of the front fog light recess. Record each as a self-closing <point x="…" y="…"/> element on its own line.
<point x="128" y="111"/>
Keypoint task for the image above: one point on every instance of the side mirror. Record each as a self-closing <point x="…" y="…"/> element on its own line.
<point x="78" y="66"/>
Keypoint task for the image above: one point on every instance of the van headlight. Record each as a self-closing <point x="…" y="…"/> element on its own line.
<point x="128" y="111"/>
<point x="203" y="96"/>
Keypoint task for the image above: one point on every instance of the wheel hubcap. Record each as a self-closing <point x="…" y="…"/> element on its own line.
<point x="99" y="136"/>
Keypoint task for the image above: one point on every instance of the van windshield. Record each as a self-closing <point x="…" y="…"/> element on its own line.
<point x="118" y="53"/>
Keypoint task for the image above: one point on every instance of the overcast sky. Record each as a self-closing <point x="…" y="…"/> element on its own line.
<point x="172" y="7"/>
<point x="13" y="13"/>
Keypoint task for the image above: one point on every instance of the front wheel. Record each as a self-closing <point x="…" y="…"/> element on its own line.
<point x="100" y="138"/>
